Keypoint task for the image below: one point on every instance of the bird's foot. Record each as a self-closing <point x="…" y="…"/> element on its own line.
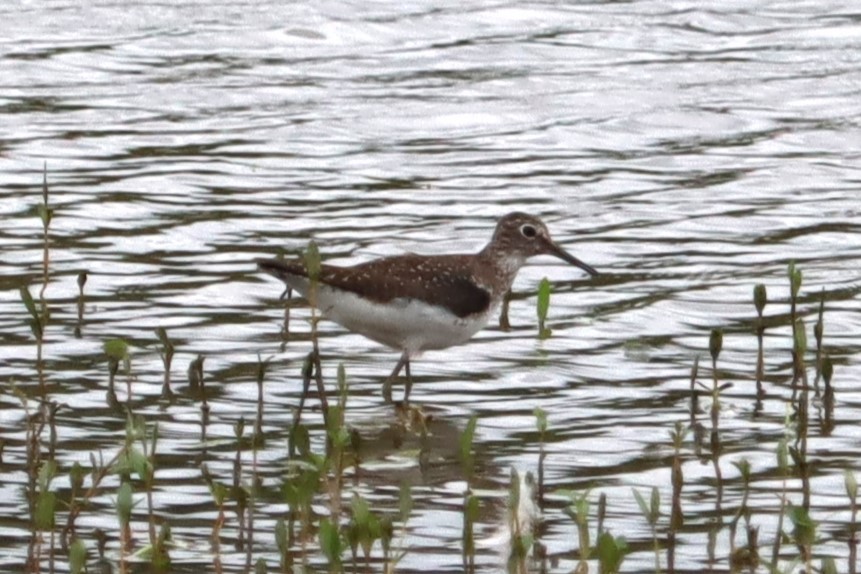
<point x="412" y="418"/>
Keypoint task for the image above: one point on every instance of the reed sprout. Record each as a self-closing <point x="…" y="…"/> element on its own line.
<point x="651" y="511"/>
<point x="851" y="485"/>
<point x="166" y="352"/>
<point x="577" y="509"/>
<point x="470" y="503"/>
<point x="543" y="305"/>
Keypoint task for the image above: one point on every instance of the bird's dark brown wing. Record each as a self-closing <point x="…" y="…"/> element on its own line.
<point x="441" y="280"/>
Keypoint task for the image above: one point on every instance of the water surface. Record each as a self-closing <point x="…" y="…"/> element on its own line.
<point x="686" y="152"/>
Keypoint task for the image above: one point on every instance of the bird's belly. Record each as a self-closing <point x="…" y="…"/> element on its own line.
<point x="404" y="323"/>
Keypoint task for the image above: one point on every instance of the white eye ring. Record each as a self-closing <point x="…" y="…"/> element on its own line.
<point x="528" y="230"/>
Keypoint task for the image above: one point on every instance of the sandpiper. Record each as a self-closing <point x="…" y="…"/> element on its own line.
<point x="416" y="303"/>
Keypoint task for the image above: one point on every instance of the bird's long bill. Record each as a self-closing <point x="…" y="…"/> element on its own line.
<point x="554" y="249"/>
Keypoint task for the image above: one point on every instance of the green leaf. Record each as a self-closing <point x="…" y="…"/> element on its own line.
<point x="45" y="506"/>
<point x="261" y="368"/>
<point x="352" y="536"/>
<point x="800" y="338"/>
<point x="312" y="261"/>
<point x="36" y="329"/>
<point x="405" y="498"/>
<point x="804" y="531"/>
<point x="795" y="279"/>
<point x="760" y="298"/>
<point x="578" y="510"/>
<point x="543" y="299"/>
<point x="540" y="420"/>
<point x="611" y="552"/>
<point x="851" y="484"/>
<point x="46" y="474"/>
<point x="655" y="507"/>
<point x="45" y="183"/>
<point x="77" y="557"/>
<point x="161" y="333"/>
<point x="219" y="492"/>
<point x="743" y="467"/>
<point x="343" y="389"/>
<point x="519" y="551"/>
<point x="471" y="508"/>
<point x="168" y="349"/>
<point x="470" y="516"/>
<point x="161" y="559"/>
<point x="334" y="420"/>
<point x="139" y="463"/>
<point x="466" y="458"/>
<point x="543" y="306"/>
<point x="281" y="536"/>
<point x="341" y="437"/>
<point x="514" y="491"/>
<point x="715" y="343"/>
<point x="678" y="435"/>
<point x="330" y="542"/>
<point x="783" y="455"/>
<point x="361" y="510"/>
<point x="467" y="437"/>
<point x="29" y="303"/>
<point x="290" y="492"/>
<point x="342" y="378"/>
<point x="387" y="532"/>
<point x="116" y="349"/>
<point x="46" y="214"/>
<point x="299" y="490"/>
<point x="76" y="476"/>
<point x="641" y="502"/>
<point x="369" y="533"/>
<point x="125" y="503"/>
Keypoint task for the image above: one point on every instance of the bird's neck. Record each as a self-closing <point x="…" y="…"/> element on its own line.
<point x="498" y="267"/>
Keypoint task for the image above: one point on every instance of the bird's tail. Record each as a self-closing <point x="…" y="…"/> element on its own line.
<point x="280" y="268"/>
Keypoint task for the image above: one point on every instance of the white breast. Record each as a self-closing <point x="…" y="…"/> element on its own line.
<point x="407" y="324"/>
<point x="402" y="323"/>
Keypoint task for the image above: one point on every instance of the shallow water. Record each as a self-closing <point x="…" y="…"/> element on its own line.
<point x="687" y="153"/>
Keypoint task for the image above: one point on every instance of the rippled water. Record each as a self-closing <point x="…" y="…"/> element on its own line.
<point x="687" y="153"/>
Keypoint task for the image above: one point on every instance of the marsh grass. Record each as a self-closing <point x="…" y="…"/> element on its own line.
<point x="329" y="523"/>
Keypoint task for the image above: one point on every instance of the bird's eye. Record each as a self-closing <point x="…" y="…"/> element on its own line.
<point x="528" y="231"/>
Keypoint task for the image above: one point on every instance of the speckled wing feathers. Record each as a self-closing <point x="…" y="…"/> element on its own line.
<point x="441" y="280"/>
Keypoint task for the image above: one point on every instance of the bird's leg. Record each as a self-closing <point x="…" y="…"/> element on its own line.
<point x="387" y="385"/>
<point x="504" y="323"/>
<point x="285" y="330"/>
<point x="408" y="386"/>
